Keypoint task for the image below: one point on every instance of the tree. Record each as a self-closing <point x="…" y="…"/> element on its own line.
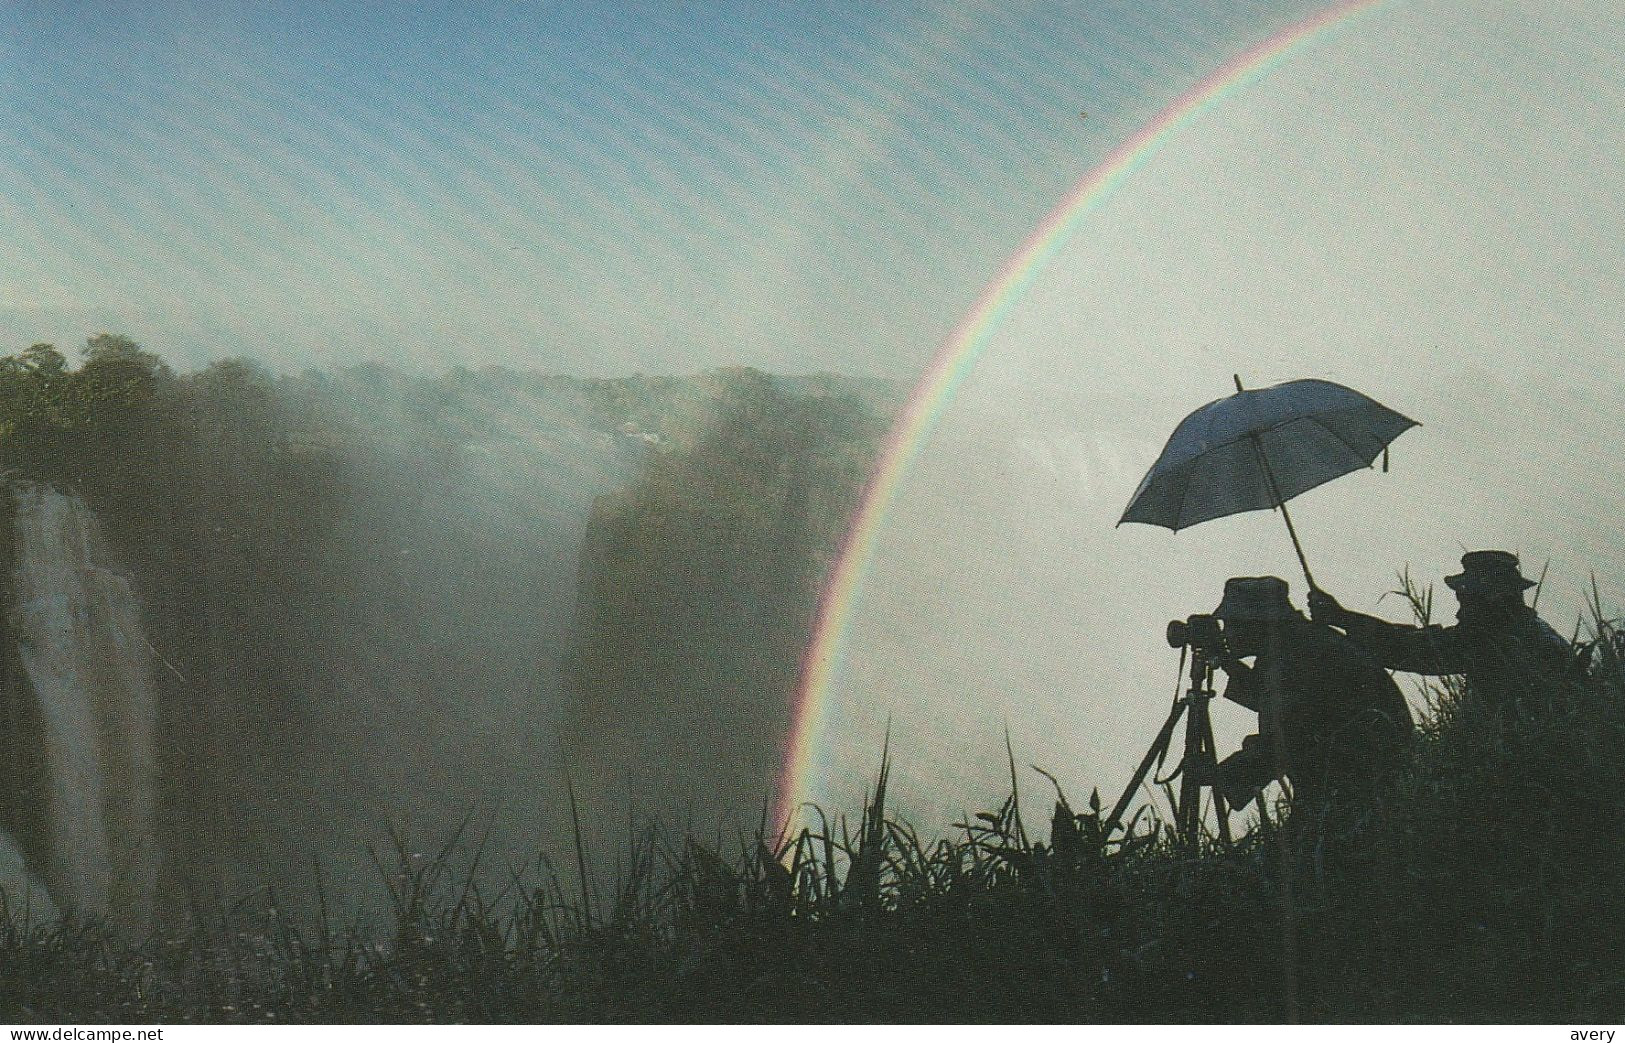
<point x="106" y="347"/>
<point x="122" y="358"/>
<point x="44" y="360"/>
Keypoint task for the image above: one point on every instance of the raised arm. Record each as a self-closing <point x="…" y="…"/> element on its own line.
<point x="1398" y="646"/>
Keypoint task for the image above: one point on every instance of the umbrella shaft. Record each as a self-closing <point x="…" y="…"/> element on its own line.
<point x="1280" y="505"/>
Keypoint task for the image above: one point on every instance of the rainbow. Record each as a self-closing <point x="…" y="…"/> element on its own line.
<point x="958" y="356"/>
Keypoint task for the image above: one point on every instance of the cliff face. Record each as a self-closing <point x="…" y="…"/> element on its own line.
<point x="699" y="584"/>
<point x="357" y="586"/>
<point x="360" y="586"/>
<point x="359" y="595"/>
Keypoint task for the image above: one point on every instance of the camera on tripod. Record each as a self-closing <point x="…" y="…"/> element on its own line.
<point x="1203" y="635"/>
<point x="1201" y="632"/>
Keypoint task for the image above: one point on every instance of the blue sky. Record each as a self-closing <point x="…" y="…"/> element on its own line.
<point x="595" y="188"/>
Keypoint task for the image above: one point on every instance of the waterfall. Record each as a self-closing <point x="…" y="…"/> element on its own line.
<point x="25" y="898"/>
<point x="88" y="666"/>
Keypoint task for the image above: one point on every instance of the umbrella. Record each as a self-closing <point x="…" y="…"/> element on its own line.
<point x="1255" y="450"/>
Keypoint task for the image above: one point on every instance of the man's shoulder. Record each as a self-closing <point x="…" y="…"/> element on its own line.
<point x="1547" y="632"/>
<point x="1525" y="626"/>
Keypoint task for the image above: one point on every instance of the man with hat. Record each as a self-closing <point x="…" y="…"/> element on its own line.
<point x="1330" y="718"/>
<point x="1511" y="658"/>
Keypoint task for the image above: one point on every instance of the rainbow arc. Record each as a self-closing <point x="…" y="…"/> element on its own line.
<point x="805" y="753"/>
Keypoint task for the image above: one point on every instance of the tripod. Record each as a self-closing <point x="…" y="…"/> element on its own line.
<point x="1199" y="747"/>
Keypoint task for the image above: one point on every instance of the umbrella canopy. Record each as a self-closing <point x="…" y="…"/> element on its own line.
<point x="1257" y="449"/>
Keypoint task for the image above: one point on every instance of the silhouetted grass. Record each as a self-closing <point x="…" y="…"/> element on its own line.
<point x="1487" y="883"/>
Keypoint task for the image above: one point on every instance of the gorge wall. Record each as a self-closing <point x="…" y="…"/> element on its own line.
<point x="356" y="605"/>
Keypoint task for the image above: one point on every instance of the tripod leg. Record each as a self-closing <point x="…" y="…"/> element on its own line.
<point x="1221" y="809"/>
<point x="1159" y="748"/>
<point x="1188" y="816"/>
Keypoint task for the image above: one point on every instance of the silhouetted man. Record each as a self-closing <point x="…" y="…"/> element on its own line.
<point x="1330" y="718"/>
<point x="1511" y="658"/>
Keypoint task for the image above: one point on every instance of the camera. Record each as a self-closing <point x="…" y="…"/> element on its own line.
<point x="1201" y="632"/>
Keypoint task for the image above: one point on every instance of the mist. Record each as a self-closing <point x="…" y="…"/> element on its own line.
<point x="508" y="640"/>
<point x="348" y="617"/>
<point x="1414" y="209"/>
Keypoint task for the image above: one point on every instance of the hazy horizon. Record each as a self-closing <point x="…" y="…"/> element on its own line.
<point x="654" y="187"/>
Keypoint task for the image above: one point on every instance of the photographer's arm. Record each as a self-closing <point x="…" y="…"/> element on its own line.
<point x="1399" y="646"/>
<point x="1243" y="774"/>
<point x="1243" y="687"/>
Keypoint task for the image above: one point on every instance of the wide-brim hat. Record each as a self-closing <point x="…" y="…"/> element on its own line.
<point x="1489" y="572"/>
<point x="1255" y="599"/>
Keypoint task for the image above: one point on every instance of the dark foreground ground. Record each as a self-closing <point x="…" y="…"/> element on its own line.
<point x="1488" y="886"/>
